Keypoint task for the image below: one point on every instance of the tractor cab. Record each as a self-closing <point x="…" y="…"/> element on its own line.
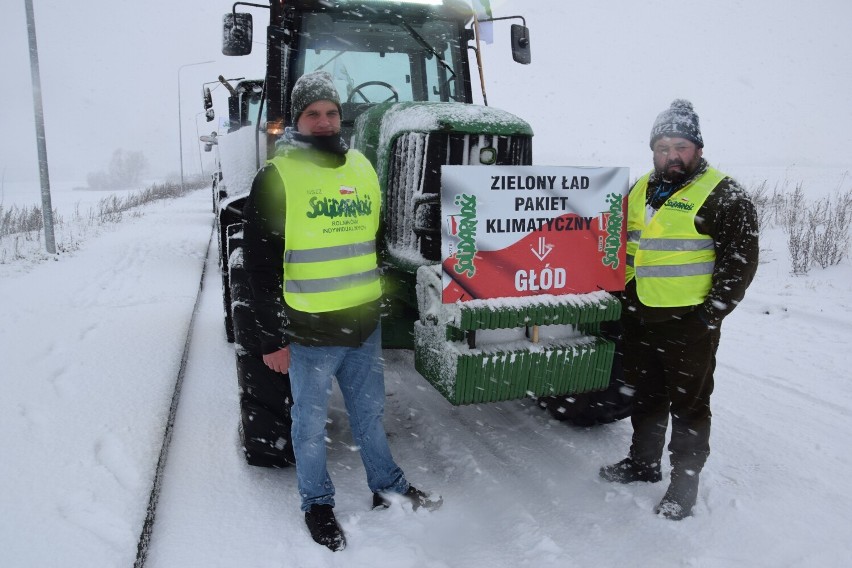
<point x="376" y="51"/>
<point x="401" y="58"/>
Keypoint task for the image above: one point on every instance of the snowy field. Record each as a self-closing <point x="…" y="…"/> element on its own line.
<point x="65" y="196"/>
<point x="90" y="348"/>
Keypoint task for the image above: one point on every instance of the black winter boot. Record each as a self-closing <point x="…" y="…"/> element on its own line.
<point x="415" y="496"/>
<point x="380" y="501"/>
<point x="324" y="528"/>
<point x="628" y="471"/>
<point x="680" y="496"/>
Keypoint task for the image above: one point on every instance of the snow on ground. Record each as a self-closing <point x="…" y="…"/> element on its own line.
<point x="90" y="349"/>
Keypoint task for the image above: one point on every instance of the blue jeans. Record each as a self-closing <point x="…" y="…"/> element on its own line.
<point x="360" y="375"/>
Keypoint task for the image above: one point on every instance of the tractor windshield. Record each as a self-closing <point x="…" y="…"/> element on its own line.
<point x="376" y="62"/>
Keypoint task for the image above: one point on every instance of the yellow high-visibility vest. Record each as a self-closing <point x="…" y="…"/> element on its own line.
<point x="671" y="261"/>
<point x="330" y="258"/>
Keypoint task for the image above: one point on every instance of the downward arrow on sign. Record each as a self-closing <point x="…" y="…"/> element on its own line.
<point x="544" y="249"/>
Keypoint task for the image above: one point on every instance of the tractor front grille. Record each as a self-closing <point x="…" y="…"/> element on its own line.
<point x="413" y="208"/>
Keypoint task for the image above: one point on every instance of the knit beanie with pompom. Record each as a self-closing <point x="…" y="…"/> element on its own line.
<point x="678" y="121"/>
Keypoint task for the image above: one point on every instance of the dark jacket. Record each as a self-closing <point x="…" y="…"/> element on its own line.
<point x="264" y="216"/>
<point x="728" y="216"/>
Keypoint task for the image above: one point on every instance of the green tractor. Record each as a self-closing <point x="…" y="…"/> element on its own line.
<point x="403" y="73"/>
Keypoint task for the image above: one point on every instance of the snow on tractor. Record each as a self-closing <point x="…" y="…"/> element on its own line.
<point x="403" y="74"/>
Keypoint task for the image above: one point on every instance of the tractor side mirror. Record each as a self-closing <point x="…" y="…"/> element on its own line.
<point x="209" y="141"/>
<point x="209" y="113"/>
<point x="521" y="44"/>
<point x="236" y="33"/>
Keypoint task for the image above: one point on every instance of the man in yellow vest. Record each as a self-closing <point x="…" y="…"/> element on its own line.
<point x="692" y="251"/>
<point x="310" y="226"/>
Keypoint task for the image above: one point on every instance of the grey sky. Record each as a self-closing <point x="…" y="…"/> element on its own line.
<point x="770" y="79"/>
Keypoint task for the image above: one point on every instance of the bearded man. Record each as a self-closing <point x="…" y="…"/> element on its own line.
<point x="692" y="251"/>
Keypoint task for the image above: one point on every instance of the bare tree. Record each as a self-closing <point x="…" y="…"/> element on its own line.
<point x="125" y="170"/>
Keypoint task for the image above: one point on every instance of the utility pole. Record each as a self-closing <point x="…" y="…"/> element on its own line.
<point x="44" y="175"/>
<point x="198" y="142"/>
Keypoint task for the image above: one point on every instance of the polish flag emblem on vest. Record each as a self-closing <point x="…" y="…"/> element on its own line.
<point x="452" y="225"/>
<point x="346" y="190"/>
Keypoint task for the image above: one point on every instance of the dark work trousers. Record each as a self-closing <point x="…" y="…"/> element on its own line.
<point x="671" y="366"/>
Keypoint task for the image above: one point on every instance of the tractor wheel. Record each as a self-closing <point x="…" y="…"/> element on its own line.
<point x="599" y="407"/>
<point x="265" y="397"/>
<point x="232" y="243"/>
<point x="265" y="422"/>
<point x="592" y="408"/>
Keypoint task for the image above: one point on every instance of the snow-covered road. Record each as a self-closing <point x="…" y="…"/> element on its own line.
<point x="521" y="489"/>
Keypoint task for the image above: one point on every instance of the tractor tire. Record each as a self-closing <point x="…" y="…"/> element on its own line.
<point x="265" y="402"/>
<point x="598" y="407"/>
<point x="232" y="241"/>
<point x="265" y="397"/>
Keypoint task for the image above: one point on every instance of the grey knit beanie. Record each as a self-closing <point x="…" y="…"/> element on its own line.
<point x="310" y="88"/>
<point x="678" y="121"/>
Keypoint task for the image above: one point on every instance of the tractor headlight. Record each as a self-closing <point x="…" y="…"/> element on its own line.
<point x="487" y="156"/>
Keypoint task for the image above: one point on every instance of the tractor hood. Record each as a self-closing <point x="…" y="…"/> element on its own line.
<point x="377" y="128"/>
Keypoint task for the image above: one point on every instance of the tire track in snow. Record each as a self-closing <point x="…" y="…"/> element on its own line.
<point x="147" y="526"/>
<point x="479" y="445"/>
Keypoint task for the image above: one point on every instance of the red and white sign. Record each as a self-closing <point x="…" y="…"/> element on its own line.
<point x="512" y="231"/>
